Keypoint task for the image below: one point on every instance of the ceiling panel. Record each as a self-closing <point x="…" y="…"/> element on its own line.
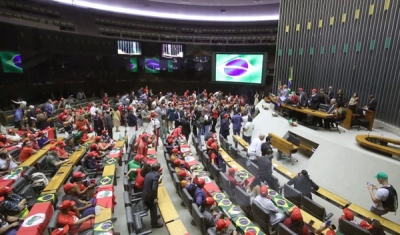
<point x="218" y="2"/>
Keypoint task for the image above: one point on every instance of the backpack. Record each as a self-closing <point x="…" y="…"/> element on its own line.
<point x="391" y="203"/>
<point x="40" y="178"/>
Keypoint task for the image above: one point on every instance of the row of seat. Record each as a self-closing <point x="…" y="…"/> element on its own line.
<point x="315" y="209"/>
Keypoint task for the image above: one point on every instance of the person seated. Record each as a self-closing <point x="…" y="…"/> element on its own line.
<point x="185" y="178"/>
<point x="32" y="139"/>
<point x="106" y="137"/>
<point x="86" y="188"/>
<point x="43" y="140"/>
<point x="222" y="225"/>
<point x="207" y="210"/>
<point x="140" y="174"/>
<point x="13" y="203"/>
<point x="12" y="137"/>
<point x="69" y="215"/>
<point x="253" y="189"/>
<point x="84" y="207"/>
<point x="7" y="163"/>
<point x="9" y="225"/>
<point x="353" y="102"/>
<point x="348" y="215"/>
<point x="3" y="141"/>
<point x="53" y="161"/>
<point x="133" y="167"/>
<point x="210" y="141"/>
<point x="102" y="146"/>
<point x="61" y="152"/>
<point x="92" y="163"/>
<point x="195" y="190"/>
<point x="372" y="103"/>
<point x="263" y="200"/>
<point x="373" y="226"/>
<point x="231" y="177"/>
<point x="179" y="165"/>
<point x="26" y="151"/>
<point x="95" y="148"/>
<point x="295" y="222"/>
<point x="293" y="98"/>
<point x="174" y="155"/>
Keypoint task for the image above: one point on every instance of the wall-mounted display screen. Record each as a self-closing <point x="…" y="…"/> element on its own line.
<point x="11" y="62"/>
<point x="172" y="50"/>
<point x="239" y="68"/>
<point x="129" y="48"/>
<point x="152" y="65"/>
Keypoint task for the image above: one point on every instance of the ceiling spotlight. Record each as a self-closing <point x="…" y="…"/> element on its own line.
<point x="222" y="11"/>
<point x="186" y="1"/>
<point x="257" y="1"/>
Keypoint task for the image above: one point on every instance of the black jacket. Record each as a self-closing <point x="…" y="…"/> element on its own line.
<point x="264" y="167"/>
<point x="304" y="184"/>
<point x="131" y="119"/>
<point x="150" y="187"/>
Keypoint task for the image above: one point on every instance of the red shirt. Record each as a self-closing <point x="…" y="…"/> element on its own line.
<point x="232" y="180"/>
<point x="177" y="132"/>
<point x="142" y="148"/>
<point x="288" y="223"/>
<point x="139" y="179"/>
<point x="213" y="158"/>
<point x="2" y="145"/>
<point x="62" y="153"/>
<point x="25" y="154"/>
<point x="209" y="142"/>
<point x="70" y="218"/>
<point x="215" y="114"/>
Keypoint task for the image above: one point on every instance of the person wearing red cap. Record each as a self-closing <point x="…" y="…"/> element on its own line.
<point x="133" y="167"/>
<point x="222" y="225"/>
<point x="177" y="133"/>
<point x="86" y="189"/>
<point x="196" y="190"/>
<point x="92" y="162"/>
<point x="26" y="152"/>
<point x="32" y="139"/>
<point x="264" y="201"/>
<point x="224" y="129"/>
<point x="13" y="203"/>
<point x="9" y="225"/>
<point x="7" y="162"/>
<point x="69" y="215"/>
<point x="210" y="141"/>
<point x="207" y="210"/>
<point x="179" y="165"/>
<point x="174" y="154"/>
<point x="53" y="161"/>
<point x="373" y="226"/>
<point x="348" y="215"/>
<point x="61" y="152"/>
<point x="213" y="154"/>
<point x="85" y="208"/>
<point x="3" y="141"/>
<point x="81" y="121"/>
<point x="184" y="177"/>
<point x="295" y="222"/>
<point x="231" y="177"/>
<point x="13" y="137"/>
<point x="143" y="146"/>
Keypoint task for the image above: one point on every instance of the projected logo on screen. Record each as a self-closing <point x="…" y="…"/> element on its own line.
<point x="242" y="68"/>
<point x="236" y="67"/>
<point x="133" y="65"/>
<point x="152" y="65"/>
<point x="11" y="61"/>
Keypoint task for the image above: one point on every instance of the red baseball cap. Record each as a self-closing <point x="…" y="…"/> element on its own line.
<point x="175" y="150"/>
<point x="10" y="130"/>
<point x="222" y="224"/>
<point x="94" y="146"/>
<point x="210" y="201"/>
<point x="2" y="137"/>
<point x="231" y="171"/>
<point x="182" y="173"/>
<point x="330" y="232"/>
<point x="104" y="132"/>
<point x="78" y="174"/>
<point x="251" y="232"/>
<point x="61" y="143"/>
<point x="53" y="148"/>
<point x="226" y="115"/>
<point x="264" y="190"/>
<point x="137" y="158"/>
<point x="348" y="214"/>
<point x="66" y="204"/>
<point x="98" y="138"/>
<point x="214" y="146"/>
<point x="296" y="214"/>
<point x="68" y="186"/>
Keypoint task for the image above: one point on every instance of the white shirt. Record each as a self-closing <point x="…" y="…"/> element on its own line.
<point x="249" y="130"/>
<point x="268" y="207"/>
<point x="155" y="122"/>
<point x="381" y="194"/>
<point x="14" y="138"/>
<point x="244" y="120"/>
<point x="12" y="165"/>
<point x="93" y="111"/>
<point x="255" y="147"/>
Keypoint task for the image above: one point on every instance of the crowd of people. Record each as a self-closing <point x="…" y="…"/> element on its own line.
<point x="150" y="118"/>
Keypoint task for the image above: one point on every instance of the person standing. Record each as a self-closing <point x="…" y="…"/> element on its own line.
<point x="385" y="197"/>
<point x="145" y="118"/>
<point x="149" y="194"/>
<point x="116" y="119"/>
<point x="256" y="98"/>
<point x="224" y="129"/>
<point x="49" y="108"/>
<point x="236" y="123"/>
<point x="304" y="184"/>
<point x="155" y="123"/>
<point x="254" y="150"/>
<point x="132" y="123"/>
<point x="98" y="124"/>
<point x="265" y="166"/>
<point x="108" y="123"/>
<point x="248" y="129"/>
<point x="214" y="116"/>
<point x="171" y="115"/>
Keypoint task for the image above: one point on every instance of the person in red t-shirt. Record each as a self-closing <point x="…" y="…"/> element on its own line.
<point x="32" y="139"/>
<point x="212" y="154"/>
<point x="210" y="141"/>
<point x="69" y="216"/>
<point x="231" y="177"/>
<point x="102" y="146"/>
<point x="26" y="152"/>
<point x="143" y="146"/>
<point x="61" y="152"/>
<point x="3" y="141"/>
<point x="177" y="133"/>
<point x="295" y="222"/>
<point x="86" y="192"/>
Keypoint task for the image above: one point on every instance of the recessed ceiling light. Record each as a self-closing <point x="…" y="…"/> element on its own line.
<point x="222" y="11"/>
<point x="186" y="1"/>
<point x="257" y="1"/>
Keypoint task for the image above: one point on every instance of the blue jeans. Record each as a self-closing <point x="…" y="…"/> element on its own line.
<point x="207" y="130"/>
<point x="199" y="132"/>
<point x="247" y="139"/>
<point x="90" y="210"/>
<point x="236" y="132"/>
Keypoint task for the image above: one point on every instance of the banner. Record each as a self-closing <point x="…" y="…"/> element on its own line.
<point x="290" y="79"/>
<point x="11" y="61"/>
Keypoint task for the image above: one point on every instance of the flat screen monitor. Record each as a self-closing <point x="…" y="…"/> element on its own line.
<point x="172" y="50"/>
<point x="129" y="48"/>
<point x="11" y="61"/>
<point x="247" y="68"/>
<point x="152" y="65"/>
<point x="133" y="65"/>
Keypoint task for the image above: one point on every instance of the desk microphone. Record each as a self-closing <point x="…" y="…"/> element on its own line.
<point x="368" y="135"/>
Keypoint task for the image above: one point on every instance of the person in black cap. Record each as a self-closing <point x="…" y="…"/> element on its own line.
<point x="304" y="184"/>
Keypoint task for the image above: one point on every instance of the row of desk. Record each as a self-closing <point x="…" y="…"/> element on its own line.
<point x="333" y="198"/>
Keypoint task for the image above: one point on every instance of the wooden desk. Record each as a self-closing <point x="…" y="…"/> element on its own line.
<point x="315" y="113"/>
<point x="59" y="178"/>
<point x="177" y="228"/>
<point x="282" y="145"/>
<point x="76" y="156"/>
<point x="365" y="214"/>
<point x="162" y="194"/>
<point x="35" y="157"/>
<point x="167" y="209"/>
<point x="241" y="142"/>
<point x="225" y="156"/>
<point x="105" y="214"/>
<point x="381" y="144"/>
<point x="120" y="143"/>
